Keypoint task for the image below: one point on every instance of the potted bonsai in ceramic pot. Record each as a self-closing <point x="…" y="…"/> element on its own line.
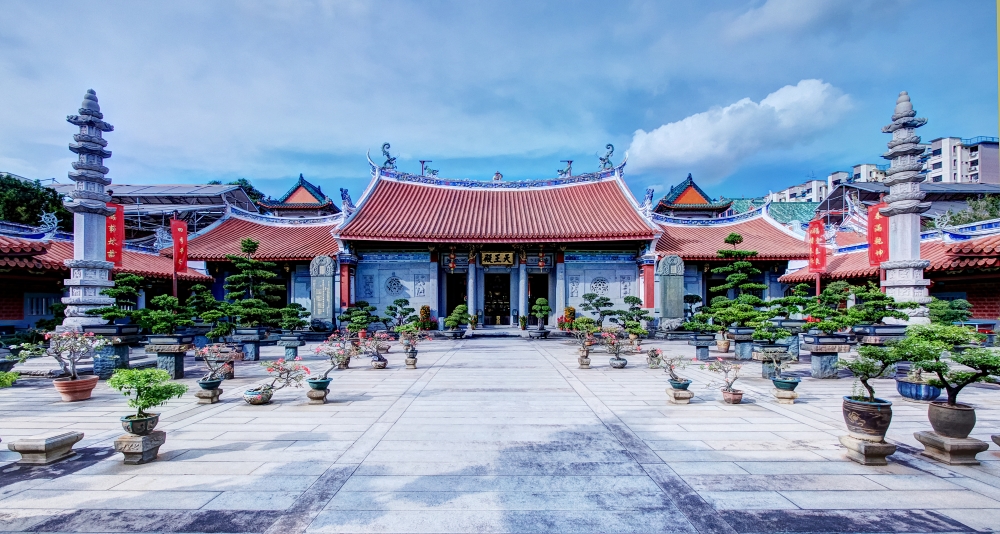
<point x="929" y="343"/>
<point x="458" y="318"/>
<point x="702" y="334"/>
<point x="399" y="313"/>
<point x="673" y="364"/>
<point x="217" y="363"/>
<point x="827" y="316"/>
<point x="951" y="418"/>
<point x="522" y="322"/>
<point x="373" y="347"/>
<point x="293" y="317"/>
<point x="126" y="295"/>
<point x="867" y="416"/>
<point x="283" y="374"/>
<point x="541" y="310"/>
<point x="598" y="306"/>
<point x="148" y="388"/>
<point x="742" y="312"/>
<point x="163" y="318"/>
<point x="338" y="349"/>
<point x="773" y="355"/>
<point x="690" y="301"/>
<point x="614" y="342"/>
<point x="730" y="372"/>
<point x="654" y="358"/>
<point x="584" y="329"/>
<point x="869" y="312"/>
<point x="251" y="292"/>
<point x="68" y="348"/>
<point x="410" y="337"/>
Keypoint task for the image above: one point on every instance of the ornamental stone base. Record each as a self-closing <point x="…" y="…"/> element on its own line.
<point x="291" y="348"/>
<point x="679" y="396"/>
<point x="170" y="358"/>
<point x="140" y="449"/>
<point x="411" y="363"/>
<point x="743" y="351"/>
<point x="785" y="396"/>
<point x="952" y="451"/>
<point x="867" y="452"/>
<point x="46" y="448"/>
<point x="317" y="396"/>
<point x="208" y="396"/>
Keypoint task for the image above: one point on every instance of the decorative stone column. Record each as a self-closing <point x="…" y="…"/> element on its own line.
<point x="522" y="287"/>
<point x="904" y="272"/>
<point x="560" y="287"/>
<point x="89" y="272"/>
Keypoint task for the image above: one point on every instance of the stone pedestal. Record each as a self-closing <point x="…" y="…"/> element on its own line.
<point x="291" y="344"/>
<point x="584" y="362"/>
<point x="250" y="345"/>
<point x="317" y="396"/>
<point x="208" y="396"/>
<point x="785" y="396"/>
<point x="679" y="396"/>
<point x="140" y="449"/>
<point x="170" y="358"/>
<point x="867" y="452"/>
<point x="996" y="438"/>
<point x="45" y="449"/>
<point x="952" y="451"/>
<point x="793" y="346"/>
<point x="701" y="349"/>
<point x="411" y="363"/>
<point x="824" y="358"/>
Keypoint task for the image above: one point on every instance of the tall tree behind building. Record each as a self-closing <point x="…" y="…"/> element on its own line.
<point x="23" y="201"/>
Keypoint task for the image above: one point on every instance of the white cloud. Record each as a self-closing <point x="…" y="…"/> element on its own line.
<point x="786" y="16"/>
<point x="716" y="141"/>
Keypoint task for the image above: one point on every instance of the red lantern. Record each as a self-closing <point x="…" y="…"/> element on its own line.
<point x="541" y="259"/>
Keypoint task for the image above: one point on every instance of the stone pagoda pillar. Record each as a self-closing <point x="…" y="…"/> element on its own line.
<point x="89" y="270"/>
<point x="904" y="272"/>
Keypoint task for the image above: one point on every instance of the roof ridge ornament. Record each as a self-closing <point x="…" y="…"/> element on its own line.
<point x="568" y="171"/>
<point x="606" y="160"/>
<point x="390" y="162"/>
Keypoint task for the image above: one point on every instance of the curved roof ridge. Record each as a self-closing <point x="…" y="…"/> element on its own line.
<point x="666" y="220"/>
<point x="498" y="185"/>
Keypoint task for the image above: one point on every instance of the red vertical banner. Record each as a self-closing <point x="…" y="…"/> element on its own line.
<point x="878" y="235"/>
<point x="114" y="234"/>
<point x="816" y="237"/>
<point x="178" y="231"/>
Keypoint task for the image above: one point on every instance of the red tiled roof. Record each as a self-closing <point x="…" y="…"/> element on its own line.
<point x="704" y="242"/>
<point x="142" y="264"/>
<point x="397" y="211"/>
<point x="22" y="247"/>
<point x="278" y="242"/>
<point x="989" y="245"/>
<point x="846" y="239"/>
<point x="943" y="257"/>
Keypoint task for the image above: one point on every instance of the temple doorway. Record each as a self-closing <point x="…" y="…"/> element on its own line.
<point x="538" y="288"/>
<point x="455" y="290"/>
<point x="496" y="299"/>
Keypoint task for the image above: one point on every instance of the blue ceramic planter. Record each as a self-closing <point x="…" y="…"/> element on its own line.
<point x="319" y="384"/>
<point x="682" y="384"/>
<point x="786" y="384"/>
<point x="917" y="391"/>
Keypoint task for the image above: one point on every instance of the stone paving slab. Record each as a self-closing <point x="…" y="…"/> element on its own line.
<point x="494" y="435"/>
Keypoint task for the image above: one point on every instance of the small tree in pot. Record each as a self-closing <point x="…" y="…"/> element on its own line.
<point x="951" y="418"/>
<point x="614" y="342"/>
<point x="148" y="388"/>
<point x="872" y="307"/>
<point x="126" y="295"/>
<point x="541" y="310"/>
<point x="68" y="348"/>
<point x="164" y="315"/>
<point x="598" y="306"/>
<point x="283" y="374"/>
<point x="293" y="317"/>
<point x="730" y="372"/>
<point x="673" y="364"/>
<point x="947" y="312"/>
<point x="250" y="289"/>
<point x="868" y="417"/>
<point x="458" y="318"/>
<point x="929" y="343"/>
<point x="400" y="313"/>
<point x="359" y="316"/>
<point x="774" y="357"/>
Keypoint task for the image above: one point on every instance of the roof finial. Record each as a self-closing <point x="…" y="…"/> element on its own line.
<point x="390" y="162"/>
<point x="606" y="160"/>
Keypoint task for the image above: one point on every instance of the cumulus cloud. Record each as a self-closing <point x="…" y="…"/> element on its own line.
<point x="716" y="141"/>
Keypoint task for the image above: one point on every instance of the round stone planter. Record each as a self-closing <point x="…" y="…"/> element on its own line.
<point x="868" y="421"/>
<point x="785" y="384"/>
<point x="75" y="390"/>
<point x="258" y="397"/>
<point x="679" y="384"/>
<point x="618" y="363"/>
<point x="917" y="391"/>
<point x="380" y="363"/>
<point x="952" y="421"/>
<point x="584" y="362"/>
<point x="209" y="384"/>
<point x="140" y="426"/>
<point x="732" y="397"/>
<point x="538" y="334"/>
<point x="319" y="383"/>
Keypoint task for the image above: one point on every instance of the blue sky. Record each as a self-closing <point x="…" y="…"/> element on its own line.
<point x="749" y="96"/>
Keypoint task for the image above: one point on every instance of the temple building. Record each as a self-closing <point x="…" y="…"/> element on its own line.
<point x="688" y="200"/>
<point x="497" y="245"/>
<point x="302" y="200"/>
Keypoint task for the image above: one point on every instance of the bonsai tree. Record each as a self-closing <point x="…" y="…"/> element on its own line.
<point x="598" y="306"/>
<point x="729" y="370"/>
<point x="359" y="316"/>
<point x="8" y="378"/>
<point x="217" y="362"/>
<point x="689" y="302"/>
<point x="793" y="304"/>
<point x="126" y="295"/>
<point x="400" y="312"/>
<point x="163" y="315"/>
<point x="699" y="322"/>
<point x="984" y="365"/>
<point x="634" y="313"/>
<point x="827" y="313"/>
<point x="148" y="388"/>
<point x="767" y="333"/>
<point x="540" y="309"/>
<point x="674" y="363"/>
<point x="293" y="317"/>
<point x="250" y="289"/>
<point x="745" y="309"/>
<point x="458" y="317"/>
<point x="283" y="374"/>
<point x="67" y="348"/>
<point x="201" y="301"/>
<point x="338" y="349"/>
<point x="873" y="362"/>
<point x="949" y="311"/>
<point x="872" y="306"/>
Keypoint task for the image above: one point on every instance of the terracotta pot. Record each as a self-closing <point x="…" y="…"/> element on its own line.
<point x="732" y="397"/>
<point x="867" y="420"/>
<point x="722" y="345"/>
<point x="75" y="390"/>
<point x="952" y="421"/>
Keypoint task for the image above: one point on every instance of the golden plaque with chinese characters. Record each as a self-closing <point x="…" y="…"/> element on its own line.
<point x="496" y="258"/>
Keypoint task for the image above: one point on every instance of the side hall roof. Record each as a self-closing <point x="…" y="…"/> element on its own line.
<point x="281" y="238"/>
<point x="701" y="239"/>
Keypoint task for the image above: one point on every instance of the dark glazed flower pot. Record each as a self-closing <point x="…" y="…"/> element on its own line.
<point x="618" y="363"/>
<point x="210" y="384"/>
<point x="319" y="383"/>
<point x="140" y="426"/>
<point x="7" y="365"/>
<point x="679" y="384"/>
<point x="732" y="397"/>
<point x="867" y="420"/>
<point x="785" y="384"/>
<point x="917" y="391"/>
<point x="952" y="421"/>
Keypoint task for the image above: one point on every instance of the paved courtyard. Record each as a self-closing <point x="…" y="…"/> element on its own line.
<point x="493" y="435"/>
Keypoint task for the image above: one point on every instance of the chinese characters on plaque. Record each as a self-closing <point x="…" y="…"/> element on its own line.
<point x="178" y="231"/>
<point x="497" y="258"/>
<point x="878" y="235"/>
<point x="816" y="238"/>
<point x="114" y="234"/>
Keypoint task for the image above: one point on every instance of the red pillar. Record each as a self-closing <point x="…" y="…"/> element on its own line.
<point x="648" y="286"/>
<point x="345" y="285"/>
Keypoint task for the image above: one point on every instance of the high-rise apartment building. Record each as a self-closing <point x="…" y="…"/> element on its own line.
<point x="957" y="160"/>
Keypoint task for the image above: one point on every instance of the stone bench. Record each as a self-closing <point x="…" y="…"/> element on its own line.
<point x="45" y="449"/>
